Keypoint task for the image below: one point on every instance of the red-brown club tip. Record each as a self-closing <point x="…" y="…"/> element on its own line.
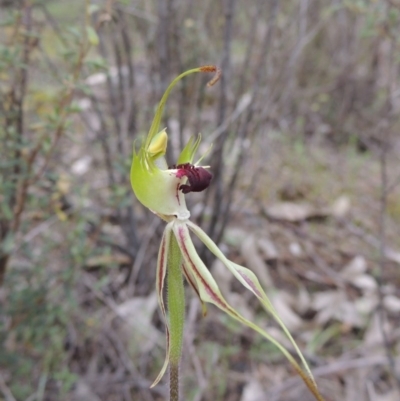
<point x="212" y="68"/>
<point x="208" y="68"/>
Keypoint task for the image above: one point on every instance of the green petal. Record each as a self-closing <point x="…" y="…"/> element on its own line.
<point x="160" y="278"/>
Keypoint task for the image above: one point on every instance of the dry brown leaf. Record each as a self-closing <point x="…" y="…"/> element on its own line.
<point x="392" y="395"/>
<point x="234" y="235"/>
<point x="282" y="301"/>
<point x="341" y="207"/>
<point x="373" y="395"/>
<point x="268" y="249"/>
<point x="373" y="334"/>
<point x="366" y="305"/>
<point x="239" y="303"/>
<point x="64" y="184"/>
<point x="222" y="276"/>
<point x="295" y="249"/>
<point x="254" y="261"/>
<point x="82" y="165"/>
<point x="354" y="273"/>
<point x="289" y="211"/>
<point x="357" y="266"/>
<point x="294" y="212"/>
<point x="353" y="390"/>
<point x="392" y="255"/>
<point x="253" y="391"/>
<point x="335" y="305"/>
<point x="106" y="260"/>
<point x="303" y="301"/>
<point x="365" y="282"/>
<point x="392" y="304"/>
<point x="137" y="328"/>
<point x="83" y="392"/>
<point x="224" y="279"/>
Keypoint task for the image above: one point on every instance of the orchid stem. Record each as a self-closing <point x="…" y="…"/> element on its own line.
<point x="176" y="307"/>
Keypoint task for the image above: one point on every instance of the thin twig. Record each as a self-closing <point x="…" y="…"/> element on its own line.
<point x="189" y="339"/>
<point x="130" y="120"/>
<point x="141" y="253"/>
<point x="382" y="263"/>
<point x="14" y="121"/>
<point x="5" y="390"/>
<point x="134" y="11"/>
<point x="243" y="129"/>
<point x="251" y="41"/>
<point x="112" y="98"/>
<point x="217" y="183"/>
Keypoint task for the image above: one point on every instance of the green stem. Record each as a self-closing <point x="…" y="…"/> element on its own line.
<point x="176" y="307"/>
<point x="155" y="125"/>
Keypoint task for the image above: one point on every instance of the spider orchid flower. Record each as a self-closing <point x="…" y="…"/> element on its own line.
<point x="162" y="190"/>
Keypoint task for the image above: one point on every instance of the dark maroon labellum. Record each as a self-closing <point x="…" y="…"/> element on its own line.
<point x="198" y="177"/>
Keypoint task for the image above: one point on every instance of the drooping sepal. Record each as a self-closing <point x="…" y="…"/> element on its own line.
<point x="207" y="286"/>
<point x="162" y="263"/>
<point x="250" y="281"/>
<point x="188" y="152"/>
<point x="209" y="292"/>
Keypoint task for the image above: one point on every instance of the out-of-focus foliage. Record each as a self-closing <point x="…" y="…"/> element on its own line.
<point x="41" y="67"/>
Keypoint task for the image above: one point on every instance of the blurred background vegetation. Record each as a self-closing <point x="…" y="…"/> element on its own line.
<point x="306" y="169"/>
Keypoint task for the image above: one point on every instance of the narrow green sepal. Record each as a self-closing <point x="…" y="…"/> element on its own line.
<point x="188" y="152"/>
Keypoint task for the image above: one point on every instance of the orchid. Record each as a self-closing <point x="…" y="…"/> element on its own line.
<point x="162" y="189"/>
